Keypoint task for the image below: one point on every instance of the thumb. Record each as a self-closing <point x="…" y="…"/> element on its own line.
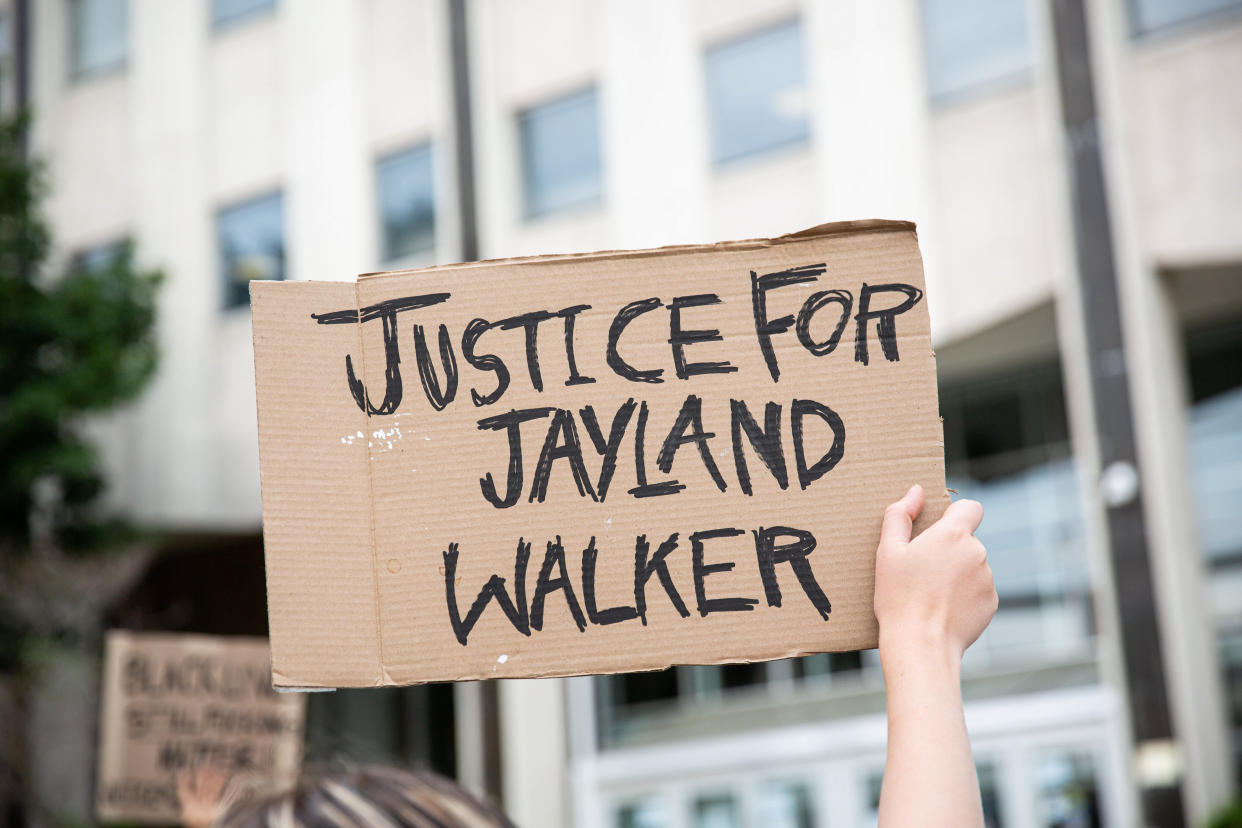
<point x="899" y="517"/>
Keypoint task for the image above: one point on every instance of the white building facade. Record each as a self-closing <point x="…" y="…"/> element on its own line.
<point x="239" y="139"/>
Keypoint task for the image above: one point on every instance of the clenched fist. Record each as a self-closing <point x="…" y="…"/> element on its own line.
<point x="935" y="590"/>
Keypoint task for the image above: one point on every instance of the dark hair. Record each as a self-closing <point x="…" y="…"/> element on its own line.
<point x="370" y="797"/>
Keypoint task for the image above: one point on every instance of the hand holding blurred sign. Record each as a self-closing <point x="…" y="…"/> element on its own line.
<point x="173" y="704"/>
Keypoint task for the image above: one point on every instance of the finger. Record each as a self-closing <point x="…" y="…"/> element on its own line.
<point x="964" y="514"/>
<point x="899" y="517"/>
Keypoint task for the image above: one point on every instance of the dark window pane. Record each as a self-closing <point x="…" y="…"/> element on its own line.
<point x="1215" y="352"/>
<point x="826" y="664"/>
<point x="786" y="805"/>
<point x="1149" y="15"/>
<point x="1216" y="459"/>
<point x="252" y="246"/>
<point x="872" y="786"/>
<point x="812" y="666"/>
<point x="99" y="35"/>
<point x="989" y="795"/>
<point x="407" y="202"/>
<point x="639" y="688"/>
<point x="757" y="93"/>
<point x="6" y="64"/>
<point x="845" y="662"/>
<point x="733" y="676"/>
<point x="1215" y="368"/>
<point x="99" y="257"/>
<point x="389" y="725"/>
<point x="717" y="810"/>
<point x="972" y="42"/>
<point x="1006" y="446"/>
<point x="561" y="153"/>
<point x="1231" y="664"/>
<point x="224" y="12"/>
<point x="993" y="427"/>
<point x="648" y="813"/>
<point x="1068" y="795"/>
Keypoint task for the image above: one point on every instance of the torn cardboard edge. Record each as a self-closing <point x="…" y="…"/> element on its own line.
<point x="832" y="228"/>
<point x="383" y="676"/>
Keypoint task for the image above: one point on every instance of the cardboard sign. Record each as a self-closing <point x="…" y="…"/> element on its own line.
<point x="174" y="702"/>
<point x="590" y="463"/>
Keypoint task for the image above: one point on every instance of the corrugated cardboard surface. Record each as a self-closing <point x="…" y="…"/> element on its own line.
<point x="174" y="702"/>
<point x="360" y="508"/>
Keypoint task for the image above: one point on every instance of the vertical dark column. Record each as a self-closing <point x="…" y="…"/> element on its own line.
<point x="1150" y="716"/>
<point x="21" y="62"/>
<point x="21" y="52"/>
<point x="463" y="130"/>
<point x="467" y="214"/>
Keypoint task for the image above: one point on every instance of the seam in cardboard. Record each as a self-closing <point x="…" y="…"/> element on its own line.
<point x="379" y="620"/>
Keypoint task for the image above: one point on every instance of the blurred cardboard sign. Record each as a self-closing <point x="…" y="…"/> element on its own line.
<point x="175" y="702"/>
<point x="590" y="463"/>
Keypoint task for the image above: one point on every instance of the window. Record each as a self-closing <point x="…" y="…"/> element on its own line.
<point x="631" y="704"/>
<point x="785" y="805"/>
<point x="1007" y="445"/>
<point x="99" y="257"/>
<point x="1068" y="795"/>
<point x="1149" y="15"/>
<point x="228" y="12"/>
<point x="6" y="65"/>
<point x="99" y="34"/>
<point x="644" y="688"/>
<point x="717" y="810"/>
<point x="646" y="813"/>
<point x="561" y="154"/>
<point x="872" y="784"/>
<point x="1214" y="351"/>
<point x="970" y="43"/>
<point x="407" y="202"/>
<point x="756" y="91"/>
<point x="252" y="246"/>
<point x="824" y="666"/>
<point x="734" y="676"/>
<point x="1231" y="663"/>
<point x="387" y="725"/>
<point x="989" y="794"/>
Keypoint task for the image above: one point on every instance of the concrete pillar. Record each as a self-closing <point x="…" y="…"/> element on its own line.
<point x="1158" y="391"/>
<point x="534" y="750"/>
<point x="61" y="723"/>
<point x="1158" y="402"/>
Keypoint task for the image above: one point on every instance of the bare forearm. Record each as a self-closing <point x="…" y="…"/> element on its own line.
<point x="929" y="778"/>
<point x="934" y="595"/>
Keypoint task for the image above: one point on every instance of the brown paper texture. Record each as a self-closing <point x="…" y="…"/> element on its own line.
<point x="177" y="702"/>
<point x="784" y="390"/>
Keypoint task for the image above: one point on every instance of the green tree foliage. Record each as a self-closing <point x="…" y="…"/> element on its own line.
<point x="74" y="344"/>
<point x="1229" y="817"/>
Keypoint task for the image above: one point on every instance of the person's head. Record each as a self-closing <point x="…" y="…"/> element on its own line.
<point x="369" y="797"/>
